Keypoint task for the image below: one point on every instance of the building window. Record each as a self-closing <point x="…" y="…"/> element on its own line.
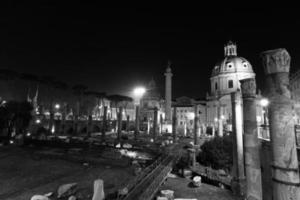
<point x="230" y="84"/>
<point x="216" y="86"/>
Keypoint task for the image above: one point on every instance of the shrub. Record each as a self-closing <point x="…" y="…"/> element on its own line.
<point x="217" y="153"/>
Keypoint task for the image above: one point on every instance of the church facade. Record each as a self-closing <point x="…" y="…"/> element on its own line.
<point x="225" y="79"/>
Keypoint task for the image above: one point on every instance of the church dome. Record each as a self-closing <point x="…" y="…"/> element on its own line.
<point x="232" y="63"/>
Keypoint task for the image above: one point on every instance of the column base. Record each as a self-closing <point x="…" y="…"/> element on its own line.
<point x="239" y="186"/>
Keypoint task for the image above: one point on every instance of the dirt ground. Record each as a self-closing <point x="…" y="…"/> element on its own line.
<point x="22" y="176"/>
<point x="182" y="189"/>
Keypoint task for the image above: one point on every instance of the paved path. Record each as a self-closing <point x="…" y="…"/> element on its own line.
<point x="182" y="189"/>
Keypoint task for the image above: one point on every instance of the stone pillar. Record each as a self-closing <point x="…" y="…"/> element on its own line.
<point x="220" y="121"/>
<point x="168" y="93"/>
<point x="238" y="182"/>
<point x="285" y="162"/>
<point x="120" y="123"/>
<point x="89" y="126"/>
<point x="196" y="127"/>
<point x="174" y="124"/>
<point x="137" y="122"/>
<point x="63" y="123"/>
<point x="161" y="124"/>
<point x="192" y="157"/>
<point x="148" y="126"/>
<point x="252" y="158"/>
<point x="51" y="122"/>
<point x="98" y="190"/>
<point x="127" y="123"/>
<point x="213" y="130"/>
<point x="155" y="124"/>
<point x="104" y="123"/>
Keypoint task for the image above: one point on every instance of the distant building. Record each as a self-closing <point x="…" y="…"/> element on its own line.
<point x="185" y="114"/>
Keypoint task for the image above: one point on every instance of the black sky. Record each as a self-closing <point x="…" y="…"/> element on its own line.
<point x="114" y="48"/>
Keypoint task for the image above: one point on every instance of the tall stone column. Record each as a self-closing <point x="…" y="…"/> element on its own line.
<point x="120" y="123"/>
<point x="155" y="124"/>
<point x="252" y="158"/>
<point x="238" y="182"/>
<point x="285" y="162"/>
<point x="137" y="122"/>
<point x="127" y="123"/>
<point x="104" y="123"/>
<point x="168" y="93"/>
<point x="220" y="121"/>
<point x="196" y="126"/>
<point x="174" y="124"/>
<point x="213" y="130"/>
<point x="89" y="126"/>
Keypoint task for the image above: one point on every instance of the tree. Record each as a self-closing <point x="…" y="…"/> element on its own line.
<point x="30" y="78"/>
<point x="217" y="153"/>
<point x="7" y="74"/>
<point x="10" y="78"/>
<point x="15" y="115"/>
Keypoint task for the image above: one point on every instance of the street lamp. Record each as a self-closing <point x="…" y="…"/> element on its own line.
<point x="138" y="92"/>
<point x="264" y="104"/>
<point x="57" y="106"/>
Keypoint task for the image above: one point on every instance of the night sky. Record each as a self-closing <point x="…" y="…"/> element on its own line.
<point x="114" y="48"/>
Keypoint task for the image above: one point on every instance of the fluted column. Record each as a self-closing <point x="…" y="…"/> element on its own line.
<point x="155" y="124"/>
<point x="120" y="123"/>
<point x="196" y="127"/>
<point x="238" y="150"/>
<point x="104" y="123"/>
<point x="220" y="121"/>
<point x="252" y="158"/>
<point x="285" y="173"/>
<point x="137" y="122"/>
<point x="168" y="93"/>
<point x="174" y="124"/>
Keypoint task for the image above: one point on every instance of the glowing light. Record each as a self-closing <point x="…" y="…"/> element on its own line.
<point x="258" y="119"/>
<point x="38" y="121"/>
<point x="57" y="106"/>
<point x="139" y="91"/>
<point x="52" y="129"/>
<point x="216" y="119"/>
<point x="264" y="102"/>
<point x="190" y="115"/>
<point x="151" y="140"/>
<point x="11" y="141"/>
<point x="222" y="117"/>
<point x="28" y="134"/>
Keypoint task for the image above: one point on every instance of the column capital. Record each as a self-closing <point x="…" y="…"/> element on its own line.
<point x="276" y="61"/>
<point x="236" y="96"/>
<point x="248" y="87"/>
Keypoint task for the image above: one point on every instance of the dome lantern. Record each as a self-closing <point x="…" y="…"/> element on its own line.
<point x="230" y="49"/>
